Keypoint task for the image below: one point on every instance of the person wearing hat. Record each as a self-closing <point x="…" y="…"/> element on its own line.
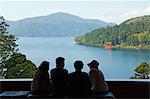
<point x="97" y="78"/>
<point x="59" y="77"/>
<point x="79" y="82"/>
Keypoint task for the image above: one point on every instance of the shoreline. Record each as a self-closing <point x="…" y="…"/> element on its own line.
<point x="119" y="47"/>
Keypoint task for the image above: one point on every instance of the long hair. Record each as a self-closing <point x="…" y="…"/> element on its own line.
<point x="44" y="66"/>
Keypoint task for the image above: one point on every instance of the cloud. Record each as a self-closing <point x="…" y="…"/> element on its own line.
<point x="135" y="13"/>
<point x="131" y="13"/>
<point x="141" y="12"/>
<point x="121" y="16"/>
<point x="148" y="9"/>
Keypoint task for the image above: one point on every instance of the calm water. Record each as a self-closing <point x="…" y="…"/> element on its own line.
<point x="115" y="64"/>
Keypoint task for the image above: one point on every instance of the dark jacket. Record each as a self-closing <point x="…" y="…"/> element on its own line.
<point x="79" y="85"/>
<point x="59" y="81"/>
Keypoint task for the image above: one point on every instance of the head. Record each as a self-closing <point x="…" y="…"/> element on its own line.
<point x="78" y="65"/>
<point x="60" y="62"/>
<point x="44" y="66"/>
<point x="93" y="64"/>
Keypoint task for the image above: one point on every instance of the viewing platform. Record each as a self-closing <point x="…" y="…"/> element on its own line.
<point x="120" y="88"/>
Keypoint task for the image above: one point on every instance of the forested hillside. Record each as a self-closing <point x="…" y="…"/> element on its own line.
<point x="133" y="33"/>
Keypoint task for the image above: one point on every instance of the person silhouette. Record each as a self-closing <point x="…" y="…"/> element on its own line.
<point x="97" y="78"/>
<point x="59" y="77"/>
<point x="41" y="83"/>
<point x="79" y="82"/>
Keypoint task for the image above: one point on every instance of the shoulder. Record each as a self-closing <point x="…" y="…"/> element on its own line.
<point x="65" y="70"/>
<point x="85" y="74"/>
<point x="71" y="74"/>
<point x="93" y="72"/>
<point x="101" y="73"/>
<point x="52" y="70"/>
<point x="43" y="73"/>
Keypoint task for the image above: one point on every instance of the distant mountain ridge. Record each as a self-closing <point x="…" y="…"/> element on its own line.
<point x="57" y="24"/>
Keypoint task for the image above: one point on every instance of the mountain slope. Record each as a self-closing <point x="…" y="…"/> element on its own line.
<point x="57" y="24"/>
<point x="133" y="33"/>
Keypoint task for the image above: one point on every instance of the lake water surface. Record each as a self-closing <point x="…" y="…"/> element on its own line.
<point x="115" y="64"/>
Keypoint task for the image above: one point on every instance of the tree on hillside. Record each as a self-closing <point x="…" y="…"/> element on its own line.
<point x="7" y="45"/>
<point x="12" y="63"/>
<point x="19" y="67"/>
<point x="133" y="33"/>
<point x="142" y="71"/>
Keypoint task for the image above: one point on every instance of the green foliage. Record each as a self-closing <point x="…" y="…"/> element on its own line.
<point x="7" y="45"/>
<point x="142" y="71"/>
<point x="143" y="68"/>
<point x="19" y="67"/>
<point x="2" y="77"/>
<point x="12" y="64"/>
<point x="134" y="33"/>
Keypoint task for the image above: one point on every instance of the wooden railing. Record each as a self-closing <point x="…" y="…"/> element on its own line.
<point x="121" y="88"/>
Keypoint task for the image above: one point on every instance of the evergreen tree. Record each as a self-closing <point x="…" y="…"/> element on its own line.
<point x="12" y="63"/>
<point x="133" y="33"/>
<point x="142" y="71"/>
<point x="19" y="67"/>
<point x="7" y="45"/>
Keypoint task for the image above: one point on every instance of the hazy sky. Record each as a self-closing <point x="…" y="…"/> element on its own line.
<point x="106" y="10"/>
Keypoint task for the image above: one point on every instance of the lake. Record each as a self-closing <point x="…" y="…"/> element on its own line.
<point x="115" y="64"/>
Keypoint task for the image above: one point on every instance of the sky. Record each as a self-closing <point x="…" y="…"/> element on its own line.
<point x="114" y="11"/>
